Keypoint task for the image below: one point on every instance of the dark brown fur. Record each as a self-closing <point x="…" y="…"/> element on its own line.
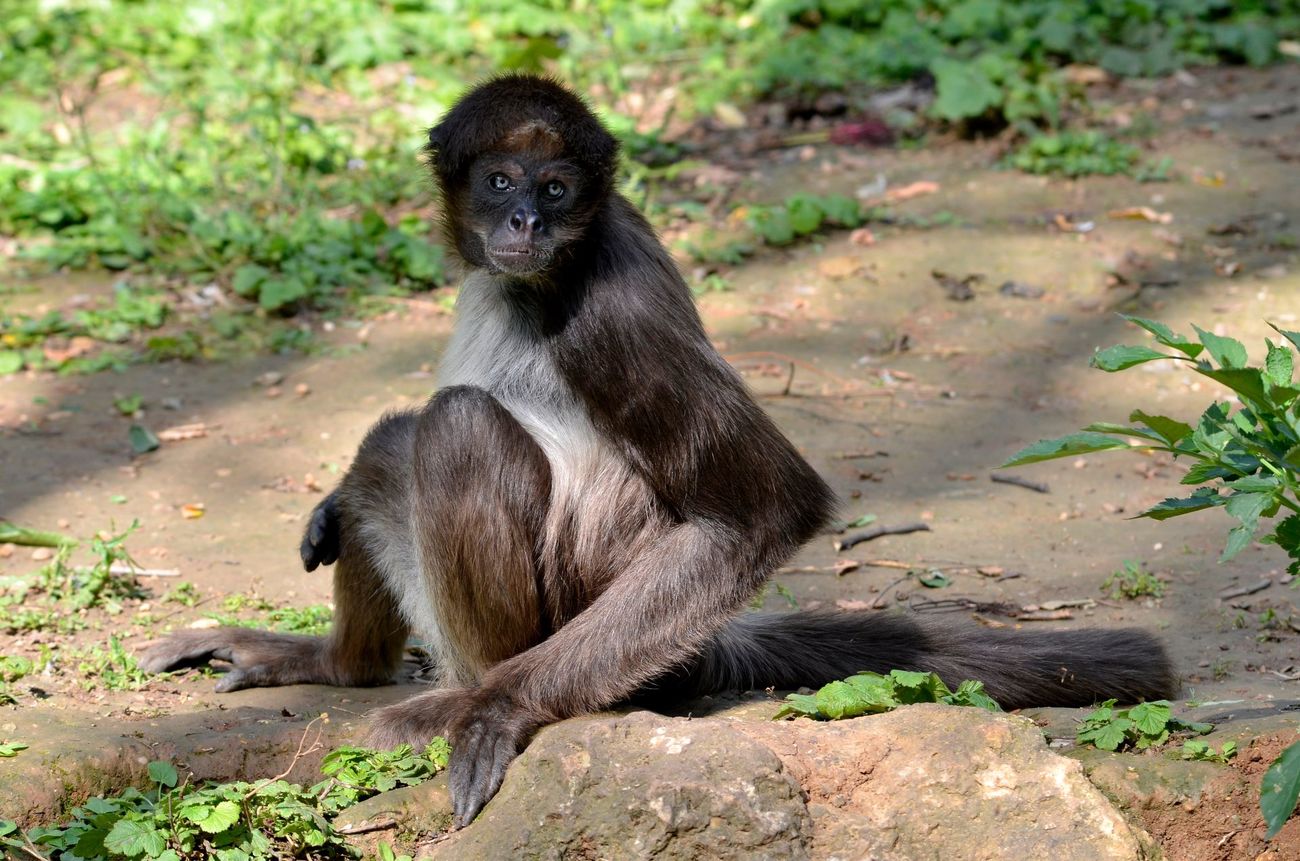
<point x="584" y="509"/>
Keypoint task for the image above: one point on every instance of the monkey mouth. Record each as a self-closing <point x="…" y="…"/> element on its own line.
<point x="515" y="258"/>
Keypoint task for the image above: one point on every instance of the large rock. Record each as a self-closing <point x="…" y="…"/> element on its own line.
<point x="919" y="783"/>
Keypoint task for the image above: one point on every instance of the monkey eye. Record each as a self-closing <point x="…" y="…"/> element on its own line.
<point x="554" y="189"/>
<point x="499" y="182"/>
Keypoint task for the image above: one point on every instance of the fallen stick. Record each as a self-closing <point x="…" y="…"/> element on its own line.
<point x="124" y="568"/>
<point x="878" y="532"/>
<point x="1036" y="486"/>
<point x="1245" y="590"/>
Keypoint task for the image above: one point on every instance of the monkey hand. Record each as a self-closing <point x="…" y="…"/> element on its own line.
<point x="486" y="729"/>
<point x="320" y="542"/>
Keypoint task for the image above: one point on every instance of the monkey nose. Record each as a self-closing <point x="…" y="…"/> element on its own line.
<point x="524" y="219"/>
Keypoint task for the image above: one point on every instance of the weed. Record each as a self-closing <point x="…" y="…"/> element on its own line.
<point x="1142" y="726"/>
<point x="184" y="593"/>
<point x="112" y="668"/>
<point x="9" y="749"/>
<point x="1200" y="751"/>
<point x="176" y="821"/>
<point x="1075" y="154"/>
<point x="12" y="668"/>
<point x="1133" y="581"/>
<point x="872" y="693"/>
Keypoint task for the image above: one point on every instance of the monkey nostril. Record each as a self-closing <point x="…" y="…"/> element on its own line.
<point x="518" y="219"/>
<point x="534" y="222"/>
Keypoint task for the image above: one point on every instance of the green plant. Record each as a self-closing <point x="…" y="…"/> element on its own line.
<point x="112" y="668"/>
<point x="12" y="668"/>
<point x="872" y="693"/>
<point x="1246" y="460"/>
<point x="1075" y="154"/>
<point x="1142" y="726"/>
<point x="1133" y="581"/>
<point x="1201" y="751"/>
<point x="802" y="215"/>
<point x="176" y="821"/>
<point x="10" y="749"/>
<point x="59" y="594"/>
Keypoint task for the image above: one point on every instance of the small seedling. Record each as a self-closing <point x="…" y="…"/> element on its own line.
<point x="1200" y="751"/>
<point x="1142" y="726"/>
<point x="1133" y="581"/>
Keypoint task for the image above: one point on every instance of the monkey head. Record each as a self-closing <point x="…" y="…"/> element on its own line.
<point x="523" y="166"/>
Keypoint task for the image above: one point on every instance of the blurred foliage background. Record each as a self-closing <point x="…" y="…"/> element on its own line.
<point x="269" y="150"/>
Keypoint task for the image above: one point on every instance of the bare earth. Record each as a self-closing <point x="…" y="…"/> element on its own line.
<point x="910" y="434"/>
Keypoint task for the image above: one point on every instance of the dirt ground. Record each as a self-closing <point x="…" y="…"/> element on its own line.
<point x="903" y="398"/>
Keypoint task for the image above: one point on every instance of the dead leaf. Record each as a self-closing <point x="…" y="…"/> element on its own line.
<point x="991" y="570"/>
<point x="1141" y="213"/>
<point x="863" y="237"/>
<point x="1083" y="75"/>
<point x="847" y="604"/>
<point x="183" y="432"/>
<point x="193" y="510"/>
<point x="1067" y="224"/>
<point x="201" y="624"/>
<point x="844" y="566"/>
<point x="911" y="190"/>
<point x="839" y="267"/>
<point x="270" y="378"/>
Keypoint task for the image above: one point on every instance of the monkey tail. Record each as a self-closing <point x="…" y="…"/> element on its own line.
<point x="1018" y="668"/>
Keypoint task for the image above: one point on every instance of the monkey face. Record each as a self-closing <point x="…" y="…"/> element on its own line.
<point x="522" y="209"/>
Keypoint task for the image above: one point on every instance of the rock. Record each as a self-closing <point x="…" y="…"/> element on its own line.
<point x="925" y="781"/>
<point x="640" y="786"/>
<point x="400" y="816"/>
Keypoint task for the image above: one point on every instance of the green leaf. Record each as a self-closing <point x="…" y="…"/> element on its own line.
<point x="1280" y="789"/>
<point x="1238" y="540"/>
<point x="1227" y="352"/>
<point x="1278" y="365"/>
<point x="163" y="772"/>
<point x="1166" y="336"/>
<point x="131" y="838"/>
<point x="1113" y="734"/>
<point x="276" y="293"/>
<point x="143" y="440"/>
<point x="864" y="520"/>
<point x="1151" y="718"/>
<point x="1247" y="382"/>
<point x="805" y="215"/>
<point x="840" y="700"/>
<point x="1170" y="430"/>
<point x="963" y="90"/>
<point x="1112" y="428"/>
<point x="1293" y="337"/>
<point x="213" y="819"/>
<point x="1119" y="357"/>
<point x="972" y="693"/>
<point x="797" y="704"/>
<point x="11" y="361"/>
<point x="248" y="278"/>
<point x="934" y="579"/>
<point x="913" y="687"/>
<point x="1177" y="507"/>
<point x="1247" y="507"/>
<point x="1066" y="446"/>
<point x="1205" y="471"/>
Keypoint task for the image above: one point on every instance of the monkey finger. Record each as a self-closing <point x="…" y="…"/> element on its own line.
<point x="239" y="678"/>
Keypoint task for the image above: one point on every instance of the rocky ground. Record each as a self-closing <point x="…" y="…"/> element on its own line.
<point x="903" y="397"/>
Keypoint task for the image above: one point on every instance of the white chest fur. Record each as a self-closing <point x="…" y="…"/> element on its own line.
<point x="493" y="349"/>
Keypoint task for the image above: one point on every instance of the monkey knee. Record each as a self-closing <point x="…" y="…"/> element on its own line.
<point x="463" y="422"/>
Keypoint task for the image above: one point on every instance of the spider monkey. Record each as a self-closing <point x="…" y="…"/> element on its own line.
<point x="580" y="513"/>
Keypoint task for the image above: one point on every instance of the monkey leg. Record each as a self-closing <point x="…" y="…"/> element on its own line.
<point x="481" y="492"/>
<point x="357" y="524"/>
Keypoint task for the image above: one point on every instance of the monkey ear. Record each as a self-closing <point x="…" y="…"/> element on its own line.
<point x="437" y="139"/>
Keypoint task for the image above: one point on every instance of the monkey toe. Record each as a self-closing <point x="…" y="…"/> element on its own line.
<point x="479" y="762"/>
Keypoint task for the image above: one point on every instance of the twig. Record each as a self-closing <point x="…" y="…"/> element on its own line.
<point x="1002" y="478"/>
<point x="302" y="751"/>
<point x="879" y="603"/>
<point x="1245" y="590"/>
<point x="124" y="568"/>
<point x="878" y="532"/>
<point x="367" y="827"/>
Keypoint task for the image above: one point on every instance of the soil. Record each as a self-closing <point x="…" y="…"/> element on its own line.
<point x="905" y="399"/>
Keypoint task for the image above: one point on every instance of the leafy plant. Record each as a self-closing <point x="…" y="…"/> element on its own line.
<point x="1200" y="751"/>
<point x="12" y="668"/>
<point x="802" y="215"/>
<point x="175" y="821"/>
<point x="872" y="693"/>
<point x="112" y="668"/>
<point x="1133" y="581"/>
<point x="1142" y="726"/>
<point x="1075" y="154"/>
<point x="1246" y="459"/>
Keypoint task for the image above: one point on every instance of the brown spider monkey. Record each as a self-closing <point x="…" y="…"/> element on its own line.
<point x="579" y="515"/>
